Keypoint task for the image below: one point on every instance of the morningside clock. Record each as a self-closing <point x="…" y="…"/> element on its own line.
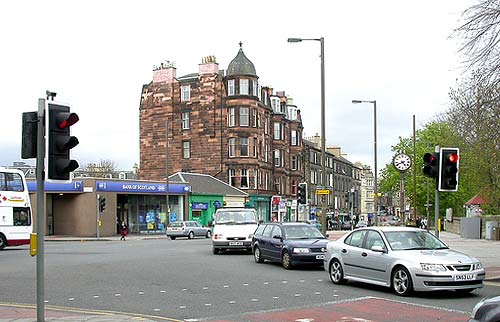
<point x="402" y="162"/>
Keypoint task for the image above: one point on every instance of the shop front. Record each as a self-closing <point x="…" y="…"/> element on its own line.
<point x="262" y="204"/>
<point x="203" y="207"/>
<point x="142" y="205"/>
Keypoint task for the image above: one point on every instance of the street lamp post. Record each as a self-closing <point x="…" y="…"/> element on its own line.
<point x="375" y="199"/>
<point x="323" y="153"/>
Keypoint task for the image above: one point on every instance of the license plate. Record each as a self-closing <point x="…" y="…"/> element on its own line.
<point x="464" y="277"/>
<point x="320" y="256"/>
<point x="235" y="243"/>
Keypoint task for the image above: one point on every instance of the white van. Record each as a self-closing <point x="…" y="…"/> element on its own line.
<point x="233" y="228"/>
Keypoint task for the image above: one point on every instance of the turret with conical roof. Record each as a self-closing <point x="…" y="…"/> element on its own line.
<point x="241" y="65"/>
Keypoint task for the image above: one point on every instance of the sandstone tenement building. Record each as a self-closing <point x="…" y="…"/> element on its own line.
<point x="225" y="124"/>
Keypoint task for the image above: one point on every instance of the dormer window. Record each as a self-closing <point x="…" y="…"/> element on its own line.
<point x="275" y="104"/>
<point x="243" y="86"/>
<point x="185" y="93"/>
<point x="292" y="113"/>
<point x="230" y="87"/>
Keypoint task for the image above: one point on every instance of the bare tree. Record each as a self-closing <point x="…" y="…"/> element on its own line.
<point x="100" y="169"/>
<point x="481" y="33"/>
<point x="475" y="117"/>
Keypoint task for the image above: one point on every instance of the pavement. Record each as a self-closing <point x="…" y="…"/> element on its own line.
<point x="486" y="250"/>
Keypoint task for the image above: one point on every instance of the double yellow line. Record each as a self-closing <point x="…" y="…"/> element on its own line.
<point x="89" y="312"/>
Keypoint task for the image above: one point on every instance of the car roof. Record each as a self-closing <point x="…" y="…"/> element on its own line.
<point x="297" y="223"/>
<point x="392" y="228"/>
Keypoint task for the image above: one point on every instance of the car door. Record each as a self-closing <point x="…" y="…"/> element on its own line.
<point x="264" y="241"/>
<point x="276" y="243"/>
<point x="198" y="229"/>
<point x="351" y="252"/>
<point x="375" y="263"/>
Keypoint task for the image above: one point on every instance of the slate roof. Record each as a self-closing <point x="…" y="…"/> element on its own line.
<point x="206" y="184"/>
<point x="241" y="65"/>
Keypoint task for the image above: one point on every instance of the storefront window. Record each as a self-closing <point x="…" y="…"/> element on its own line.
<point x="148" y="214"/>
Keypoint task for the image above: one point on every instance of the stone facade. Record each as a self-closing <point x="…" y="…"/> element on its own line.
<point x="227" y="126"/>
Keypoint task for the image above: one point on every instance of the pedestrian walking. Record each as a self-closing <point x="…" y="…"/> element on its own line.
<point x="123" y="230"/>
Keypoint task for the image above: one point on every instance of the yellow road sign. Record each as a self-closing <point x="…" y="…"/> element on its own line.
<point x="323" y="192"/>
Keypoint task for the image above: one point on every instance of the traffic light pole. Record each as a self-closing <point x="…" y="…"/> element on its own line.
<point x="98" y="228"/>
<point x="436" y="202"/>
<point x="40" y="212"/>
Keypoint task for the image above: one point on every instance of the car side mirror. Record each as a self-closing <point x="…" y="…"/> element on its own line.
<point x="327" y="236"/>
<point x="277" y="237"/>
<point x="378" y="248"/>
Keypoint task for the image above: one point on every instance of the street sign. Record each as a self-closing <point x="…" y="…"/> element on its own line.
<point x="322" y="192"/>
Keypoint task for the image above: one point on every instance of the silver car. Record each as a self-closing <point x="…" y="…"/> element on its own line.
<point x="189" y="229"/>
<point x="402" y="258"/>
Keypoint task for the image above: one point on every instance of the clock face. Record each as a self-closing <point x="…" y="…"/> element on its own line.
<point x="402" y="162"/>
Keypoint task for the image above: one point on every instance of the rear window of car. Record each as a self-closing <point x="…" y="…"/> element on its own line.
<point x="176" y="224"/>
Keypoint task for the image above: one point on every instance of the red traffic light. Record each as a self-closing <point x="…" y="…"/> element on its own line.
<point x="68" y="120"/>
<point x="429" y="158"/>
<point x="453" y="157"/>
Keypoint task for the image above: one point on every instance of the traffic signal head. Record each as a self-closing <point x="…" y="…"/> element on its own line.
<point x="302" y="193"/>
<point x="102" y="204"/>
<point x="431" y="165"/>
<point x="60" y="142"/>
<point x="448" y="169"/>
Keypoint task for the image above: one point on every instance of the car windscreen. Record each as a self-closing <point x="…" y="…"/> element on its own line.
<point x="411" y="240"/>
<point x="235" y="217"/>
<point x="302" y="232"/>
<point x="176" y="224"/>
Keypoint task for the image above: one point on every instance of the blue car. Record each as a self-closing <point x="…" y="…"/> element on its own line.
<point x="290" y="244"/>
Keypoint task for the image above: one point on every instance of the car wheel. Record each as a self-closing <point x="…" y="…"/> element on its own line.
<point x="336" y="272"/>
<point x="190" y="235"/>
<point x="464" y="291"/>
<point x="286" y="261"/>
<point x="215" y="250"/>
<point x="3" y="242"/>
<point x="257" y="256"/>
<point x="172" y="237"/>
<point x="209" y="234"/>
<point x="402" y="284"/>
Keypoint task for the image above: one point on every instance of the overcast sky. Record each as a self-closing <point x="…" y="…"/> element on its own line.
<point x="97" y="55"/>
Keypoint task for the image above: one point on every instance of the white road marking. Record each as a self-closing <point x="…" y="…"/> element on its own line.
<point x="191" y="320"/>
<point x="320" y="280"/>
<point x="156" y="310"/>
<point x="284" y="282"/>
<point x="266" y="283"/>
<point x="205" y="288"/>
<point x="208" y="304"/>
<point x="276" y="297"/>
<point x="245" y="284"/>
<point x="232" y="302"/>
<point x="226" y="286"/>
<point x="182" y="307"/>
<point x="117" y="294"/>
<point x="163" y="291"/>
<point x="317" y="293"/>
<point x="184" y="289"/>
<point x="255" y="300"/>
<point x="140" y="293"/>
<point x="304" y="320"/>
<point x="71" y="299"/>
<point x="96" y="296"/>
<point x="301" y="281"/>
<point x="46" y="301"/>
<point x="297" y="295"/>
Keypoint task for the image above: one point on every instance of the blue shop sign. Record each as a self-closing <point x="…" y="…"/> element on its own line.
<point x="75" y="186"/>
<point x="199" y="206"/>
<point x="143" y="187"/>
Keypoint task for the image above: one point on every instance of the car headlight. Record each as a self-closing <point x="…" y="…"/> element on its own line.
<point x="250" y="236"/>
<point x="433" y="267"/>
<point x="477" y="265"/>
<point x="301" y="250"/>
